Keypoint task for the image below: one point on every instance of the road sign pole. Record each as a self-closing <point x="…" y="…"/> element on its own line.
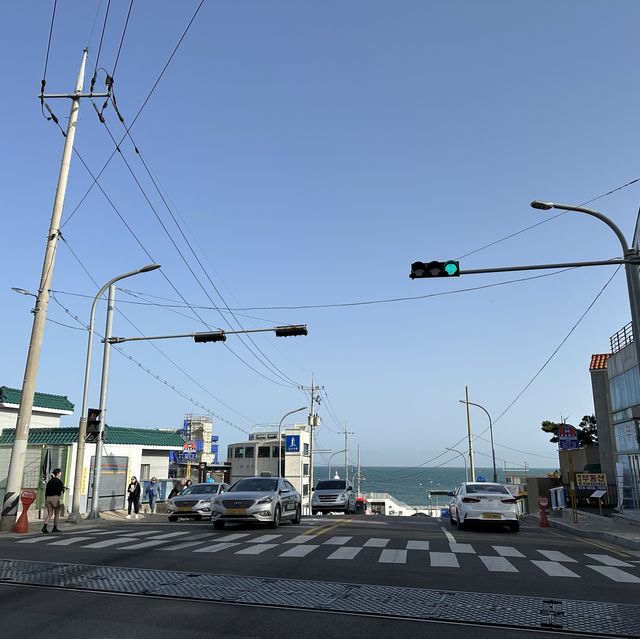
<point x="572" y="487"/>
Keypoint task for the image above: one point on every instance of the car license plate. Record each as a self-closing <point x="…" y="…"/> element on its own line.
<point x="236" y="511"/>
<point x="491" y="516"/>
<point x="184" y="509"/>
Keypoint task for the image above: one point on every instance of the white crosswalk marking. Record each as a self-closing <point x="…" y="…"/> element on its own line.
<point x="169" y="535"/>
<point x="112" y="532"/>
<point x="393" y="557"/>
<point x="149" y="543"/>
<point x="554" y="569"/>
<point x="140" y="533"/>
<point x="218" y="547"/>
<point x="417" y="545"/>
<point x="337" y="541"/>
<point x="615" y="574"/>
<point x="299" y="551"/>
<point x="507" y="551"/>
<point x="443" y="560"/>
<point x="234" y="537"/>
<point x="607" y="560"/>
<point x="300" y="539"/>
<point x="256" y="549"/>
<point x="450" y="538"/>
<point x="33" y="540"/>
<point x="554" y="555"/>
<point x="186" y="544"/>
<point x="376" y="542"/>
<point x="345" y="552"/>
<point x="262" y="539"/>
<point x="498" y="564"/>
<point x="105" y="543"/>
<point x="463" y="549"/>
<point x="68" y="540"/>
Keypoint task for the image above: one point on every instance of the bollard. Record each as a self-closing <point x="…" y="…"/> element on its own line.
<point x="27" y="497"/>
<point x="542" y="502"/>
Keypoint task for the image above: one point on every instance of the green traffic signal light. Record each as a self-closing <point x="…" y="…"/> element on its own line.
<point x="452" y="267"/>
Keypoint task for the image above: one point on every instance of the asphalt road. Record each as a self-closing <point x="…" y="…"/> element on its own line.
<point x="419" y="553"/>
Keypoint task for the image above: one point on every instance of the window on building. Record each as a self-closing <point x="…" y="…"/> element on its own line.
<point x="249" y="452"/>
<point x="263" y="451"/>
<point x="305" y="490"/>
<point x="145" y="471"/>
<point x="305" y="470"/>
<point x="274" y="451"/>
<point x="305" y="449"/>
<point x="239" y="452"/>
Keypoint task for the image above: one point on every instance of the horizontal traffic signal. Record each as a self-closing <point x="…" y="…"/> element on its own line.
<point x="216" y="336"/>
<point x="291" y="331"/>
<point x="450" y="268"/>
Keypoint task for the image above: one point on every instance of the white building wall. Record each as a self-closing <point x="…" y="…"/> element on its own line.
<point x="9" y="417"/>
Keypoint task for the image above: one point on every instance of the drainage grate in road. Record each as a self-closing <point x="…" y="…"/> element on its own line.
<point x="580" y="617"/>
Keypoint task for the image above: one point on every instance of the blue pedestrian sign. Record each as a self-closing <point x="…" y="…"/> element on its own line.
<point x="292" y="444"/>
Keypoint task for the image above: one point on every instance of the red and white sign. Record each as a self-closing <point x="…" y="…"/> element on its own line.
<point x="543" y="501"/>
<point x="189" y="446"/>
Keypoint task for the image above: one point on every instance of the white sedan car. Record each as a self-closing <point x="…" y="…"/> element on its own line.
<point x="483" y="502"/>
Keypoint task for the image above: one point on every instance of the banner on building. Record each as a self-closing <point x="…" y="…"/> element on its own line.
<point x="591" y="481"/>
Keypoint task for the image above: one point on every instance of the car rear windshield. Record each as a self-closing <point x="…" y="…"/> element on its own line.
<point x="332" y="484"/>
<point x="255" y="485"/>
<point x="203" y="489"/>
<point x="487" y="488"/>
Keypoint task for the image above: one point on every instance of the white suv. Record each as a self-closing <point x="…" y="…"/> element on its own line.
<point x="333" y="496"/>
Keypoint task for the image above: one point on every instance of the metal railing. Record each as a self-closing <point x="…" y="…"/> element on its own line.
<point x="622" y="338"/>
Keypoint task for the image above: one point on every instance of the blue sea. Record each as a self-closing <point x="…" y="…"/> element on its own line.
<point x="410" y="484"/>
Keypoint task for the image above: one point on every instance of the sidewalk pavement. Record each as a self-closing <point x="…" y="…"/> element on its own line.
<point x="621" y="529"/>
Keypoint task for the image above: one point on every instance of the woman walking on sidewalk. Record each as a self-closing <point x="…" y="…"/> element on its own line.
<point x="133" y="497"/>
<point x="153" y="494"/>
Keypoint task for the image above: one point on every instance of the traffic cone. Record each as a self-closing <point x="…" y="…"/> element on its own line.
<point x="544" y="522"/>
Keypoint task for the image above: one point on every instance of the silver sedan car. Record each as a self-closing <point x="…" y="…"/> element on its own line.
<point x="266" y="500"/>
<point x="195" y="501"/>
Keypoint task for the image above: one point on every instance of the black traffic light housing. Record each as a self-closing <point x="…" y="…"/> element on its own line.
<point x="449" y="268"/>
<point x="217" y="336"/>
<point x="94" y="417"/>
<point x="293" y="330"/>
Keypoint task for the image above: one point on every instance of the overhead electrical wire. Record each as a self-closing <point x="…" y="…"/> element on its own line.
<point x="124" y="31"/>
<point x="104" y="28"/>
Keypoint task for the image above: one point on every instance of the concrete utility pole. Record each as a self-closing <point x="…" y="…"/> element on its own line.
<point x="313" y="423"/>
<point x="471" y="462"/>
<point x="19" y="450"/>
<point x="346" y="452"/>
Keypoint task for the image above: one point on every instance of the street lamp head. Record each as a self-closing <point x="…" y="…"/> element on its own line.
<point x="543" y="206"/>
<point x="149" y="267"/>
<point x="22" y="291"/>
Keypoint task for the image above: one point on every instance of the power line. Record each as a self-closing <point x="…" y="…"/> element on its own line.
<point x="104" y="28"/>
<point x="43" y="82"/>
<point x="124" y="31"/>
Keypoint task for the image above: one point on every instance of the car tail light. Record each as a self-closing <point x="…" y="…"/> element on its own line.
<point x="470" y="500"/>
<point x="510" y="501"/>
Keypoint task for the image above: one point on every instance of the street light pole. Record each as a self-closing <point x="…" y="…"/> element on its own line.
<point x="493" y="450"/>
<point x="464" y="459"/>
<point x="631" y="269"/>
<point x="27" y="392"/>
<point x="331" y="457"/>
<point x="297" y="410"/>
<point x="74" y="516"/>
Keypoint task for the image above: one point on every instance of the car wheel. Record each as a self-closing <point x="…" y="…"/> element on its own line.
<point x="514" y="526"/>
<point x="172" y="518"/>
<point x="276" y="518"/>
<point x="218" y="525"/>
<point x="297" y="517"/>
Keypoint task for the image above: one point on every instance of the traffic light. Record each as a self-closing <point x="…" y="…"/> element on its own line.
<point x="94" y="417"/>
<point x="450" y="268"/>
<point x="291" y="331"/>
<point x="217" y="336"/>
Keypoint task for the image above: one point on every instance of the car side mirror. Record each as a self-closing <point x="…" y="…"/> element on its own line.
<point x="349" y="487"/>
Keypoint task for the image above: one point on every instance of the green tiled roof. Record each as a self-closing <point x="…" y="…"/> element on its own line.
<point x="41" y="400"/>
<point x="115" y="435"/>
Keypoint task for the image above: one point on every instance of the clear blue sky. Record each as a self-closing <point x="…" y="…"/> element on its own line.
<point x="311" y="152"/>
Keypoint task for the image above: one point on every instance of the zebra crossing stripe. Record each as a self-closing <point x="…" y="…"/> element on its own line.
<point x="393" y="557"/>
<point x="263" y="538"/>
<point x="256" y="549"/>
<point x="140" y="533"/>
<point x="300" y="539"/>
<point x="302" y="550"/>
<point x="144" y="544"/>
<point x="555" y="555"/>
<point x="464" y="549"/>
<point x="218" y="547"/>
<point x="443" y="560"/>
<point x="186" y="544"/>
<point x="33" y="540"/>
<point x="234" y="537"/>
<point x="345" y="552"/>
<point x="615" y="574"/>
<point x="607" y="560"/>
<point x="417" y="545"/>
<point x="337" y="541"/>
<point x="498" y="564"/>
<point x="170" y="535"/>
<point x="376" y="542"/>
<point x="554" y="568"/>
<point x="507" y="551"/>
<point x="68" y="540"/>
<point x="105" y="543"/>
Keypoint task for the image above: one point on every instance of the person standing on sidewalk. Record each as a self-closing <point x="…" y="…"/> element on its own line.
<point x="133" y="497"/>
<point x="53" y="494"/>
<point x="153" y="494"/>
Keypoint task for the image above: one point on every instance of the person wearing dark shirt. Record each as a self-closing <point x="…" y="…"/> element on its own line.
<point x="53" y="493"/>
<point x="133" y="497"/>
